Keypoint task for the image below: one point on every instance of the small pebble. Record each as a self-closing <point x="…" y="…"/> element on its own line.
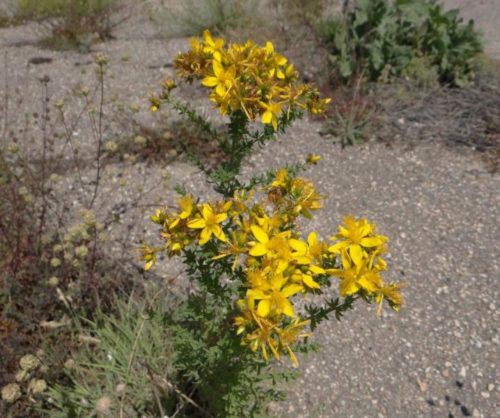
<point x="491" y="386"/>
<point x="485" y="395"/>
<point x="457" y="402"/>
<point x="465" y="411"/>
<point x="459" y="384"/>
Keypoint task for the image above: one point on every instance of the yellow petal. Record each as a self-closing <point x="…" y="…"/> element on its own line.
<point x="258" y="250"/>
<point x="207" y="211"/>
<point x="316" y="269"/>
<point x="259" y="234"/>
<point x="337" y="247"/>
<point x="174" y="223"/>
<point x="309" y="282"/>
<point x="287" y="308"/>
<point x="293" y="357"/>
<point x="197" y="223"/>
<point x="312" y="238"/>
<point x="367" y="284"/>
<point x="263" y="308"/>
<point x="221" y="217"/>
<point x="298" y="245"/>
<point x="210" y="81"/>
<point x="219" y="233"/>
<point x="217" y="66"/>
<point x="205" y="236"/>
<point x="348" y="287"/>
<point x="253" y="294"/>
<point x="291" y="290"/>
<point x="303" y="260"/>
<point x="356" y="254"/>
<point x="267" y="117"/>
<point x="221" y="90"/>
<point x="372" y="241"/>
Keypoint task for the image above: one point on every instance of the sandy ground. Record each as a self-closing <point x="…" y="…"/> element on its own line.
<point x="439" y="206"/>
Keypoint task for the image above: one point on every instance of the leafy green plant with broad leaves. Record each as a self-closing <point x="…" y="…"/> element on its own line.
<point x="383" y="38"/>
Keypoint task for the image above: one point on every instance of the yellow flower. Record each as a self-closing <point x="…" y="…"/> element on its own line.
<point x="270" y="113"/>
<point x="209" y="224"/>
<point x="281" y="178"/>
<point x="276" y="247"/>
<point x="186" y="204"/>
<point x="274" y="299"/>
<point x="222" y="79"/>
<point x="289" y="336"/>
<point x="356" y="236"/>
<point x="154" y="104"/>
<point x="307" y="279"/>
<point x="262" y="338"/>
<point x="211" y="46"/>
<point x="313" y="159"/>
<point x="306" y="197"/>
<point x="149" y="256"/>
<point x="307" y="253"/>
<point x="356" y="277"/>
<point x="236" y="246"/>
<point x="392" y="292"/>
<point x="276" y="61"/>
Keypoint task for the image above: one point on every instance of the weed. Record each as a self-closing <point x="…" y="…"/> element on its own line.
<point x="191" y="17"/>
<point x="121" y="367"/>
<point x="352" y="116"/>
<point x="71" y="23"/>
<point x="51" y="260"/>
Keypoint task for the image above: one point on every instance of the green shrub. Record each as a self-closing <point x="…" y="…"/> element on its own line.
<point x="384" y="38"/>
<point x="191" y="17"/>
<point x="71" y="23"/>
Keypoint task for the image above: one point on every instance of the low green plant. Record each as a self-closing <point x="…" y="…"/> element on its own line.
<point x="191" y="17"/>
<point x="385" y="38"/>
<point x="352" y="117"/>
<point x="124" y="368"/>
<point x="71" y="23"/>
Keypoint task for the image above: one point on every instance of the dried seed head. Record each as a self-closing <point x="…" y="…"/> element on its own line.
<point x="21" y="375"/>
<point x="29" y="362"/>
<point x="37" y="386"/>
<point x="11" y="392"/>
<point x="103" y="405"/>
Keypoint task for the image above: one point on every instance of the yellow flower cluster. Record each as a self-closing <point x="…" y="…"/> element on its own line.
<point x="360" y="250"/>
<point x="246" y="77"/>
<point x="261" y="238"/>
